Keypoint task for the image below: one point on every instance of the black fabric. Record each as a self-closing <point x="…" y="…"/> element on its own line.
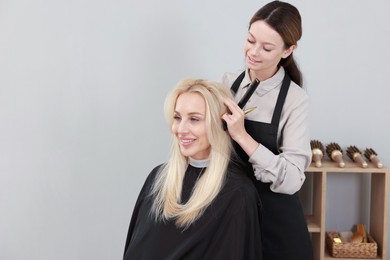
<point x="251" y="89"/>
<point x="228" y="229"/>
<point x="281" y="98"/>
<point x="237" y="82"/>
<point x="284" y="228"/>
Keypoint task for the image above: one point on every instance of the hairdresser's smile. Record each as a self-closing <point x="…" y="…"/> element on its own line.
<point x="189" y="126"/>
<point x="252" y="60"/>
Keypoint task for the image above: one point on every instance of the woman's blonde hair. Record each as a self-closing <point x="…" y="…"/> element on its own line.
<point x="167" y="187"/>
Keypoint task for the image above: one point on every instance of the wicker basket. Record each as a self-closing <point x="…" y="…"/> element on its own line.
<point x="351" y="250"/>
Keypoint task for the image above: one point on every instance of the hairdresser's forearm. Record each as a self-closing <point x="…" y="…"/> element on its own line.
<point x="247" y="143"/>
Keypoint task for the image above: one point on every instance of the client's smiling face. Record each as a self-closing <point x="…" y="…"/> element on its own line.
<point x="189" y="126"/>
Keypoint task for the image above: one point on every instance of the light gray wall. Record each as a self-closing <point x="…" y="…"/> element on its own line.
<point x="82" y="85"/>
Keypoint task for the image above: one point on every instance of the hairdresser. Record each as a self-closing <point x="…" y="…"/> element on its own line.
<point x="274" y="139"/>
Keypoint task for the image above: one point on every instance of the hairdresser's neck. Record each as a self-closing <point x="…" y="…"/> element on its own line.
<point x="262" y="75"/>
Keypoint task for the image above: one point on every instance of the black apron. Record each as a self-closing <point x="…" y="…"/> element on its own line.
<point x="284" y="229"/>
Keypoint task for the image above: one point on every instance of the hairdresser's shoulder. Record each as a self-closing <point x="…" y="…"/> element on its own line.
<point x="296" y="95"/>
<point x="229" y="77"/>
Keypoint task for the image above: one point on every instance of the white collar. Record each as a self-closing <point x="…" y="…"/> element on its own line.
<point x="199" y="163"/>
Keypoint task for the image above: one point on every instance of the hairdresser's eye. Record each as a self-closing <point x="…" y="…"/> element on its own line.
<point x="268" y="47"/>
<point x="195" y="119"/>
<point x="250" y="41"/>
<point x="176" y="117"/>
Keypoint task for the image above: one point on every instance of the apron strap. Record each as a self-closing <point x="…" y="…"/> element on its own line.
<point x="281" y="98"/>
<point x="237" y="82"/>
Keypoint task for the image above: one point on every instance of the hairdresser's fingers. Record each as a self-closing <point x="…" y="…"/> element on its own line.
<point x="234" y="119"/>
<point x="233" y="107"/>
<point x="227" y="118"/>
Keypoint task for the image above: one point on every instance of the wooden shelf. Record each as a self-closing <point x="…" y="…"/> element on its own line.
<point x="350" y="167"/>
<point x="378" y="205"/>
<point x="312" y="224"/>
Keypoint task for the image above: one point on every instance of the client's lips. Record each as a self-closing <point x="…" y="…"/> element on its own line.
<point x="186" y="141"/>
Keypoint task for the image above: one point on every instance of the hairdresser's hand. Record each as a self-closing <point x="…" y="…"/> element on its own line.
<point x="234" y="120"/>
<point x="236" y="127"/>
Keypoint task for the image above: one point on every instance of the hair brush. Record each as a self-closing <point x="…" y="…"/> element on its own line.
<point x="372" y="157"/>
<point x="335" y="153"/>
<point x="317" y="150"/>
<point x="354" y="153"/>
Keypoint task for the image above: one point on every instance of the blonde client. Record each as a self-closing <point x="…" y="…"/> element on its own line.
<point x="199" y="204"/>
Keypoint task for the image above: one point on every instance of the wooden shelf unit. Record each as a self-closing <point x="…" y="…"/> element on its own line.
<point x="378" y="205"/>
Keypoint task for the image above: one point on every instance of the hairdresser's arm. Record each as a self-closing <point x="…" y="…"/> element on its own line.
<point x="235" y="123"/>
<point x="285" y="171"/>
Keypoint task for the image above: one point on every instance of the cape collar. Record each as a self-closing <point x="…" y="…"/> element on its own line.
<point x="198" y="163"/>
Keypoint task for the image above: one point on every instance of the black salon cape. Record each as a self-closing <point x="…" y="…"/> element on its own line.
<point x="228" y="229"/>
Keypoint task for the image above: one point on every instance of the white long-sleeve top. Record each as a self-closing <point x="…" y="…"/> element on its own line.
<point x="285" y="171"/>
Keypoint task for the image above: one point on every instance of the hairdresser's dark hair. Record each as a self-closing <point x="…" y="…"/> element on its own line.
<point x="285" y="19"/>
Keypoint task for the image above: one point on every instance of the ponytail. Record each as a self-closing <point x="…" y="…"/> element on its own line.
<point x="292" y="69"/>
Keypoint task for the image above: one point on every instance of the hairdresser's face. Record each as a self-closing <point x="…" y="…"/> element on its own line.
<point x="264" y="48"/>
<point x="189" y="126"/>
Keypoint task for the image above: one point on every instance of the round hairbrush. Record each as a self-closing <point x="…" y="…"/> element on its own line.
<point x="335" y="153"/>
<point x="317" y="150"/>
<point x="354" y="153"/>
<point x="372" y="157"/>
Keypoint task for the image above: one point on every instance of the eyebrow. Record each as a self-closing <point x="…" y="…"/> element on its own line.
<point x="191" y="113"/>
<point x="269" y="43"/>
